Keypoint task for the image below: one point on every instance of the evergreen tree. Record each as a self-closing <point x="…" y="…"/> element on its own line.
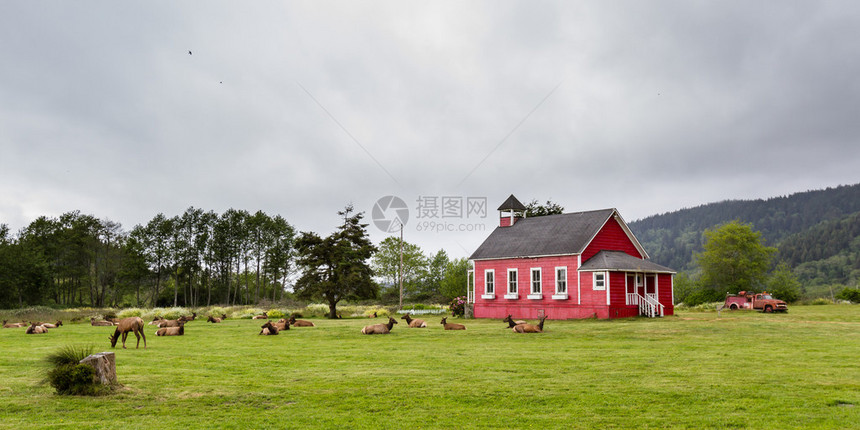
<point x="335" y="268"/>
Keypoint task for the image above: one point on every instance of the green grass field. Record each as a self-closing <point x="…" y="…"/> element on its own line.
<point x="693" y="370"/>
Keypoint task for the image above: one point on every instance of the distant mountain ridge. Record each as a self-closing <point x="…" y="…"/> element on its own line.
<point x="807" y="228"/>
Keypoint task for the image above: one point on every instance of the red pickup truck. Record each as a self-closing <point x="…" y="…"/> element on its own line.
<point x="761" y="301"/>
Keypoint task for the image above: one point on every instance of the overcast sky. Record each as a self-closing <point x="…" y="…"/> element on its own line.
<point x="298" y="108"/>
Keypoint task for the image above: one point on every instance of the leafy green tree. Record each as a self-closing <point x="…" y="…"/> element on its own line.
<point x="386" y="265"/>
<point x="734" y="259"/>
<point x="434" y="273"/>
<point x="783" y="284"/>
<point x="850" y="294"/>
<point x="454" y="278"/>
<point x="533" y="208"/>
<point x="335" y="268"/>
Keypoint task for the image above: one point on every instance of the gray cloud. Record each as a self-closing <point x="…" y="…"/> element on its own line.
<point x="661" y="105"/>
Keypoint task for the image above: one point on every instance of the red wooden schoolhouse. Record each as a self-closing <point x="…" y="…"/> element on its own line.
<point x="574" y="265"/>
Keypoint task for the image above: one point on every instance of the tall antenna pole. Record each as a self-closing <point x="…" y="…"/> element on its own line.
<point x="401" y="265"/>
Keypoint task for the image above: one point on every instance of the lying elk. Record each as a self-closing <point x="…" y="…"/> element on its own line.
<point x="170" y="323"/>
<point x="530" y="328"/>
<point x="213" y="319"/>
<point x="113" y="321"/>
<point x="268" y="329"/>
<point x="511" y="323"/>
<point x="187" y="318"/>
<point x="300" y="323"/>
<point x="414" y="323"/>
<point x="380" y="328"/>
<point x="156" y="320"/>
<point x="172" y="331"/>
<point x="14" y="325"/>
<point x="282" y="324"/>
<point x="130" y="324"/>
<point x="36" y="329"/>
<point x="97" y="323"/>
<point x="264" y="316"/>
<point x="49" y="325"/>
<point x="451" y="326"/>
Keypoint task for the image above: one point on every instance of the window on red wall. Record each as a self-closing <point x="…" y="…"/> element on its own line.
<point x="561" y="280"/>
<point x="489" y="282"/>
<point x="512" y="284"/>
<point x="536" y="288"/>
<point x="599" y="280"/>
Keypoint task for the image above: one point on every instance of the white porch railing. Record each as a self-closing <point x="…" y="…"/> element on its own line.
<point x="649" y="306"/>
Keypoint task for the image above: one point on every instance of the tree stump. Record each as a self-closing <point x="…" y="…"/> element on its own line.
<point x="105" y="365"/>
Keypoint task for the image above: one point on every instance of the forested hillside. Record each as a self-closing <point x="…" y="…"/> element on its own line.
<point x="817" y="232"/>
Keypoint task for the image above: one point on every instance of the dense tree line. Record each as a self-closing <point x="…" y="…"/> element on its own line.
<point x="194" y="259"/>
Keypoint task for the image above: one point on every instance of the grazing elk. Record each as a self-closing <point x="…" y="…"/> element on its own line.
<point x="172" y="331"/>
<point x="300" y="323"/>
<point x="511" y="323"/>
<point x="530" y="328"/>
<point x="14" y="325"/>
<point x="36" y="329"/>
<point x="451" y="326"/>
<point x="268" y="329"/>
<point x="130" y="324"/>
<point x="264" y="316"/>
<point x="282" y="324"/>
<point x="380" y="328"/>
<point x="97" y="323"/>
<point x="49" y="325"/>
<point x="414" y="323"/>
<point x="213" y="319"/>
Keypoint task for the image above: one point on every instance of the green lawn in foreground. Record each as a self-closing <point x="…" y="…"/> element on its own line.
<point x="693" y="370"/>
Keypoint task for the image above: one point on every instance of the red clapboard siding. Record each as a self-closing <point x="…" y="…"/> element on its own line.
<point x="613" y="237"/>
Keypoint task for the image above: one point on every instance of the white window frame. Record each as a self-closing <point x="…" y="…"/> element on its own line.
<point x="513" y="295"/>
<point x="535" y="295"/>
<point x="594" y="281"/>
<point x="561" y="295"/>
<point x="489" y="294"/>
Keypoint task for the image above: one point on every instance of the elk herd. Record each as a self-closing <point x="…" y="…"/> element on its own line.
<point x="176" y="327"/>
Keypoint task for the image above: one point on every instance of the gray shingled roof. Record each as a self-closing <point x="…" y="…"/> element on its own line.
<point x="621" y="261"/>
<point x="545" y="235"/>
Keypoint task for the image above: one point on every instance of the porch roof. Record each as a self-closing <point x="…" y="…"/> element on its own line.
<point x="621" y="261"/>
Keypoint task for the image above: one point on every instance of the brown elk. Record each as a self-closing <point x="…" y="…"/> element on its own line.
<point x="130" y="324"/>
<point x="530" y="328"/>
<point x="187" y="318"/>
<point x="511" y="323"/>
<point x="14" y="325"/>
<point x="451" y="326"/>
<point x="213" y="319"/>
<point x="264" y="316"/>
<point x="156" y="320"/>
<point x="172" y="331"/>
<point x="380" y="328"/>
<point x="268" y="329"/>
<point x="414" y="323"/>
<point x="49" y="325"/>
<point x="170" y="323"/>
<point x="282" y="324"/>
<point x="300" y="323"/>
<point x="102" y="323"/>
<point x="113" y="321"/>
<point x="36" y="329"/>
